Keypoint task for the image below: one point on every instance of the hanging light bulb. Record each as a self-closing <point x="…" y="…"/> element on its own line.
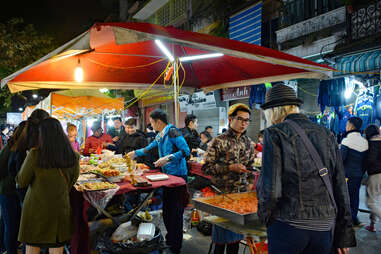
<point x="78" y="73"/>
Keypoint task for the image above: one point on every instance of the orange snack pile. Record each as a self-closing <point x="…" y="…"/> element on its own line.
<point x="242" y="204"/>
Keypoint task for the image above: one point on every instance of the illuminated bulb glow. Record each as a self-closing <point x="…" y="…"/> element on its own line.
<point x="78" y="74"/>
<point x="35" y="96"/>
<point x="110" y="123"/>
<point x="198" y="57"/>
<point x="90" y="122"/>
<point x="103" y="90"/>
<point x="348" y="93"/>
<point x="164" y="50"/>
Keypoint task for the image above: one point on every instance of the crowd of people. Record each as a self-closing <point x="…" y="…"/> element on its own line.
<point x="308" y="187"/>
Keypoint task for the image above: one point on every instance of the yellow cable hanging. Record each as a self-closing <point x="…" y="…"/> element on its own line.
<point x="148" y="89"/>
<point x="125" y="68"/>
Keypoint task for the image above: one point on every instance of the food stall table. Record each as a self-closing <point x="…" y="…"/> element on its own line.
<point x="253" y="231"/>
<point x="196" y="169"/>
<point x="80" y="243"/>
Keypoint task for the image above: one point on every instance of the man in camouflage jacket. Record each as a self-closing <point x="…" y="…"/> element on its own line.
<point x="229" y="160"/>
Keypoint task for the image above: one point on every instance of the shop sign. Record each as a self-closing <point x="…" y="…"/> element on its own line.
<point x="235" y="93"/>
<point x="197" y="101"/>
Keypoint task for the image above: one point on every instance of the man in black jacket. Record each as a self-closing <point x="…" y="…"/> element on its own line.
<point x="190" y="133"/>
<point x="293" y="200"/>
<point x="134" y="139"/>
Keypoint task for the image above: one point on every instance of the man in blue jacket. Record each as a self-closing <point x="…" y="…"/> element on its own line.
<point x="172" y="152"/>
<point x="353" y="150"/>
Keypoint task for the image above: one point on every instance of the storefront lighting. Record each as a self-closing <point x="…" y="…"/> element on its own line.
<point x="110" y="123"/>
<point x="348" y="93"/>
<point x="35" y="96"/>
<point x="21" y="109"/>
<point x="358" y="83"/>
<point x="164" y="50"/>
<point x="103" y="90"/>
<point x="78" y="73"/>
<point x="199" y="57"/>
<point x="90" y="122"/>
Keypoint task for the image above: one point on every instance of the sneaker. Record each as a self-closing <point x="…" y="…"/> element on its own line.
<point x="370" y="228"/>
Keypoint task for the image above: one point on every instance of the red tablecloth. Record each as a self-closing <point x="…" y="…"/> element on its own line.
<point x="173" y="181"/>
<point x="80" y="243"/>
<point x="195" y="169"/>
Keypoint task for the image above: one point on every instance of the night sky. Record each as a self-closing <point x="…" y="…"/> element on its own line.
<point x="62" y="19"/>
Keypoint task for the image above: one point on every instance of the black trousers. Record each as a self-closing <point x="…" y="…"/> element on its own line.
<point x="173" y="212"/>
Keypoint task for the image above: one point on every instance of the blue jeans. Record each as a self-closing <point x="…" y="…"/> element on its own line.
<point x="354" y="184"/>
<point x="11" y="214"/>
<point x="285" y="239"/>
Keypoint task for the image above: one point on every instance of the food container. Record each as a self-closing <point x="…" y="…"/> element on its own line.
<point x="239" y="218"/>
<point x="146" y="231"/>
<point x="157" y="177"/>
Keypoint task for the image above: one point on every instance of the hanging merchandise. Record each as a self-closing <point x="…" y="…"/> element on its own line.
<point x="258" y="94"/>
<point x="365" y="108"/>
<point x="335" y="122"/>
<point x="377" y="102"/>
<point x="344" y="114"/>
<point x="331" y="93"/>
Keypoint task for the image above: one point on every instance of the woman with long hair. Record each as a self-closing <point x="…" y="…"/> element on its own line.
<point x="49" y="171"/>
<point x="372" y="165"/>
<point x="9" y="201"/>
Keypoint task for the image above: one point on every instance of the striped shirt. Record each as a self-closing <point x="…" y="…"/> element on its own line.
<point x="311" y="224"/>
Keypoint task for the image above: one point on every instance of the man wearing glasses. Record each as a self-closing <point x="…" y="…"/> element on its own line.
<point x="229" y="159"/>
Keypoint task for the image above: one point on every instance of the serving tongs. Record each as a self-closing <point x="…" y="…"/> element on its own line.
<point x="100" y="175"/>
<point x="224" y="195"/>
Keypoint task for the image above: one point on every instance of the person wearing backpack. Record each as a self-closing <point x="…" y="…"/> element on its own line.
<point x="302" y="193"/>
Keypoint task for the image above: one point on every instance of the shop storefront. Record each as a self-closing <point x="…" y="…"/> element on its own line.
<point x="242" y="95"/>
<point x="208" y="109"/>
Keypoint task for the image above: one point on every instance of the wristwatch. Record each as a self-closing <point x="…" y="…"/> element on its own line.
<point x="169" y="158"/>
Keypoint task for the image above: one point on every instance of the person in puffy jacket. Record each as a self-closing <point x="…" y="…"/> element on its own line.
<point x="98" y="140"/>
<point x="293" y="200"/>
<point x="133" y="140"/>
<point x="353" y="150"/>
<point x="172" y="152"/>
<point x="372" y="165"/>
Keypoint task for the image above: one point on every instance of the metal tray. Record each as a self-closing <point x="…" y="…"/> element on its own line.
<point x="241" y="219"/>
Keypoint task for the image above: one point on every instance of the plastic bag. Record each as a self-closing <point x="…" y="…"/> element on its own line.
<point x="99" y="199"/>
<point x="124" y="232"/>
<point x="104" y="243"/>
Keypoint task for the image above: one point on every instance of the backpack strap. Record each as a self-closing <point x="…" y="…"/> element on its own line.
<point x="323" y="171"/>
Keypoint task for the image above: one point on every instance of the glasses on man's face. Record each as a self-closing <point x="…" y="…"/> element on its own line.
<point x="243" y="120"/>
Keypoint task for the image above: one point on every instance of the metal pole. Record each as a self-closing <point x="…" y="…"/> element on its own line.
<point x="175" y="92"/>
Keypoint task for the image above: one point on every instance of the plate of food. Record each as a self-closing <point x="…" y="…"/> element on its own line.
<point x="98" y="186"/>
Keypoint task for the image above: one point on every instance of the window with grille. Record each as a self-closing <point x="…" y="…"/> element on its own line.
<point x="164" y="15"/>
<point x="296" y="11"/>
<point x="180" y="8"/>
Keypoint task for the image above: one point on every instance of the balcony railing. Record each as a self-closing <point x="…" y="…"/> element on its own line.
<point x="297" y="11"/>
<point x="365" y="21"/>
